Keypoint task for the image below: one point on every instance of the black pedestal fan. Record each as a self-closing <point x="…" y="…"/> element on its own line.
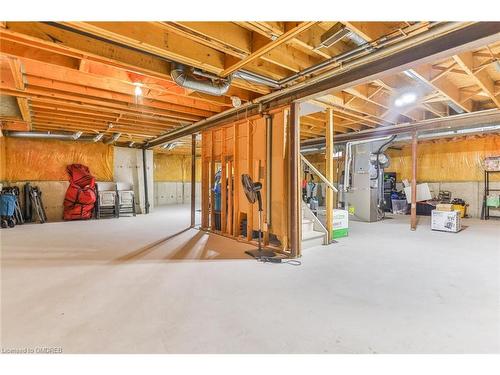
<point x="252" y="191"/>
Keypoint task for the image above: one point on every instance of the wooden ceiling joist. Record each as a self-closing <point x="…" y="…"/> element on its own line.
<point x="443" y="86"/>
<point x="481" y="78"/>
<point x="291" y="32"/>
<point x="81" y="76"/>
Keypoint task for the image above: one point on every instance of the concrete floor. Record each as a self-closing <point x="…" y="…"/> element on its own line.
<point x="147" y="285"/>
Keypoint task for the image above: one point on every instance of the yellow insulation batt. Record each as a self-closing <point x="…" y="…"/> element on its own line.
<point x="174" y="168"/>
<point x="444" y="160"/>
<point x="449" y="160"/>
<point x="46" y="160"/>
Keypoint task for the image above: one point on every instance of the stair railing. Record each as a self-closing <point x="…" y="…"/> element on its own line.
<point x="327" y="229"/>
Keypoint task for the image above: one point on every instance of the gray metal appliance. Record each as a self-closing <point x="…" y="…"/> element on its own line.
<point x="363" y="187"/>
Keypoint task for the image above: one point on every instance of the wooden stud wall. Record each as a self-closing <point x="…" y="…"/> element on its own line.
<point x="241" y="147"/>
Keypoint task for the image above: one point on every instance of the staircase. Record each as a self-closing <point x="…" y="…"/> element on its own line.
<point x="313" y="232"/>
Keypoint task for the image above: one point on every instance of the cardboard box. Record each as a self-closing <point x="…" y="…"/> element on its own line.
<point x="444" y="207"/>
<point x="340" y="226"/>
<point x="423" y="193"/>
<point x="446" y="221"/>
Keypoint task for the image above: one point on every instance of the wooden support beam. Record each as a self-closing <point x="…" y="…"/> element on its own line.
<point x="13" y="124"/>
<point x="230" y="197"/>
<point x="294" y="200"/>
<point x="442" y="85"/>
<point x="481" y="77"/>
<point x="55" y="45"/>
<point x="147" y="36"/>
<point x="287" y="36"/>
<point x="485" y="117"/>
<point x="383" y="101"/>
<point x="211" y="179"/>
<point x="227" y="37"/>
<point x="223" y="182"/>
<point x="237" y="42"/>
<point x="413" y="218"/>
<point x="45" y="89"/>
<point x="286" y="56"/>
<point x="389" y="85"/>
<point x="337" y="105"/>
<point x="17" y="71"/>
<point x="268" y="177"/>
<point x="193" y="180"/>
<point x="250" y="170"/>
<point x="24" y="107"/>
<point x="205" y="191"/>
<point x="329" y="172"/>
<point x="237" y="180"/>
<point x="370" y="31"/>
<point x="160" y="91"/>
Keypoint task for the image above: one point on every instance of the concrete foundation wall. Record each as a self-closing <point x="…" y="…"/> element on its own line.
<point x="166" y="193"/>
<point x="471" y="191"/>
<point x="175" y="193"/>
<point x="128" y="167"/>
<point x="53" y="193"/>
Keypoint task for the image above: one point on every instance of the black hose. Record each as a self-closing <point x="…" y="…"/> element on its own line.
<point x="386" y="143"/>
<point x="378" y="153"/>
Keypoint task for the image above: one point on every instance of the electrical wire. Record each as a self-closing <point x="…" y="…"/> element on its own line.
<point x="292" y="262"/>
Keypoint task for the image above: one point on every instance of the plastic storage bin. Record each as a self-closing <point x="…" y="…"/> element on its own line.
<point x="493" y="201"/>
<point x="399" y="206"/>
<point x="460" y="208"/>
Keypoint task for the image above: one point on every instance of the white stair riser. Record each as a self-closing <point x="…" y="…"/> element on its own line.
<point x="307" y="226"/>
<point x="312" y="242"/>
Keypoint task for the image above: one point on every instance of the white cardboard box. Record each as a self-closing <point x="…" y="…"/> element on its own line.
<point x="340" y="223"/>
<point x="447" y="221"/>
<point x="340" y="219"/>
<point x="423" y="193"/>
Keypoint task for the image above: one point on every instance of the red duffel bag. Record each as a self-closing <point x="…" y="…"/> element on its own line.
<point x="80" y="196"/>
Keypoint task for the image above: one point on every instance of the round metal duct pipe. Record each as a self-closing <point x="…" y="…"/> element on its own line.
<point x="182" y="75"/>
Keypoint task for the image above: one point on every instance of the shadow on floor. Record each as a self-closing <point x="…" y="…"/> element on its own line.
<point x="139" y="253"/>
<point x="189" y="244"/>
<point x="186" y="245"/>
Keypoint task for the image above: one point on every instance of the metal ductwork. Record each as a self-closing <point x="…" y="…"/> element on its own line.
<point x="44" y="135"/>
<point x="440" y="40"/>
<point x="91" y="138"/>
<point x="241" y="74"/>
<point x="113" y="139"/>
<point x="184" y="77"/>
<point x="98" y="137"/>
<point x="256" y="78"/>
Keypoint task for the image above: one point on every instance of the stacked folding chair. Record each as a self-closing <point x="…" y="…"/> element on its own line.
<point x="107" y="200"/>
<point x="126" y="199"/>
<point x="37" y="204"/>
